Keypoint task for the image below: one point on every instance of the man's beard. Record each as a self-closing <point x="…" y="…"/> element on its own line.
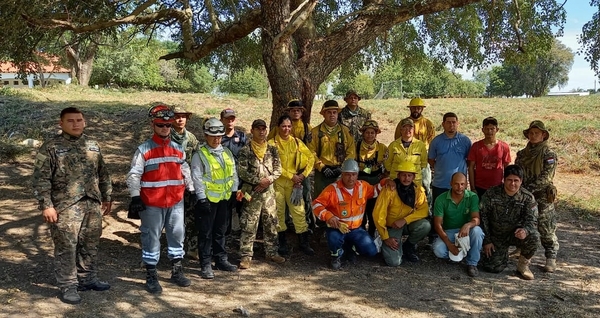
<point x="415" y="115"/>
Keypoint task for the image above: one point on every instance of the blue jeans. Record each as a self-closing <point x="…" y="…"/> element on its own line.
<point x="359" y="238"/>
<point x="154" y="219"/>
<point x="476" y="238"/>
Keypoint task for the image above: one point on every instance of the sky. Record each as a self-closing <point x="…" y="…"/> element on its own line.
<point x="581" y="76"/>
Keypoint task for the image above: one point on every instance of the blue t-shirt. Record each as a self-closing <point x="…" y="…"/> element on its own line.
<point x="235" y="142"/>
<point x="450" y="156"/>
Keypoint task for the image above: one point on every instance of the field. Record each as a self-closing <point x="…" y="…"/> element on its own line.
<point x="304" y="286"/>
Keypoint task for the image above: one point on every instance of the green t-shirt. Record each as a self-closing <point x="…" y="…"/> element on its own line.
<point x="456" y="215"/>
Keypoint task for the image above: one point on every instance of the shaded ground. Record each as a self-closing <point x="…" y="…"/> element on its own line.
<point x="302" y="287"/>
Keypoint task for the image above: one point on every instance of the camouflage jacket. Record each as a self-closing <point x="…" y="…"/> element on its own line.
<point x="354" y="121"/>
<point x="502" y="214"/>
<point x="67" y="169"/>
<point x="251" y="170"/>
<point x="188" y="141"/>
<point x="538" y="184"/>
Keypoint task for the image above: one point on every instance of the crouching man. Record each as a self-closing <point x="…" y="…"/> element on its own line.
<point x="509" y="217"/>
<point x="402" y="211"/>
<point x="342" y="206"/>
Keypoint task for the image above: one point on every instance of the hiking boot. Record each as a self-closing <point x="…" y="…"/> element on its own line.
<point x="304" y="240"/>
<point x="96" y="285"/>
<point x="409" y="252"/>
<point x="224" y="265"/>
<point x="523" y="268"/>
<point x="283" y="248"/>
<point x="152" y="284"/>
<point x="276" y="259"/>
<point x="206" y="272"/>
<point x="177" y="276"/>
<point x="515" y="254"/>
<point x="245" y="262"/>
<point x="336" y="262"/>
<point x="69" y="295"/>
<point x="349" y="256"/>
<point x="550" y="265"/>
<point x="472" y="271"/>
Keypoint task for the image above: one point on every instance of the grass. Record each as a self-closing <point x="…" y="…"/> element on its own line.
<point x="574" y="122"/>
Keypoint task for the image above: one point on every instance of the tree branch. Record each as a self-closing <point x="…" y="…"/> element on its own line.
<point x="238" y="30"/>
<point x="516" y="26"/>
<point x="212" y="15"/>
<point x="297" y="18"/>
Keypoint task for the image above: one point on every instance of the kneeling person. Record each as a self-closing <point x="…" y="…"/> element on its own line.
<point x="341" y="205"/>
<point x="399" y="212"/>
<point x="509" y="217"/>
<point x="457" y="212"/>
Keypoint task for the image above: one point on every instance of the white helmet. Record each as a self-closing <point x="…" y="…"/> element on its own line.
<point x="214" y="127"/>
<point x="350" y="165"/>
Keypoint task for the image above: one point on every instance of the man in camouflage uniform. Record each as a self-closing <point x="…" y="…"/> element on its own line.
<point x="189" y="142"/>
<point x="509" y="217"/>
<point x="539" y="164"/>
<point x="353" y="116"/>
<point x="73" y="187"/>
<point x="258" y="166"/>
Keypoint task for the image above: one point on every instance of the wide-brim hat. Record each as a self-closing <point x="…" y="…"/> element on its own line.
<point x="295" y="103"/>
<point x="539" y="125"/>
<point x="370" y="123"/>
<point x="406" y="166"/>
<point x="181" y="111"/>
<point x="328" y="105"/>
<point x="350" y="93"/>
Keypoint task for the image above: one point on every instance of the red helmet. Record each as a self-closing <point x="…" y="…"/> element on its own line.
<point x="161" y="113"/>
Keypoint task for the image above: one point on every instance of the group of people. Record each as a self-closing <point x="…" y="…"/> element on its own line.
<point x="363" y="190"/>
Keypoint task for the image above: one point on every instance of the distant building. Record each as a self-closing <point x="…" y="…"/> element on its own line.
<point x="53" y="73"/>
<point x="569" y="94"/>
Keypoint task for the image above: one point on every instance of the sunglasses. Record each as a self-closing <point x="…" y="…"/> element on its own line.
<point x="163" y="125"/>
<point x="165" y="114"/>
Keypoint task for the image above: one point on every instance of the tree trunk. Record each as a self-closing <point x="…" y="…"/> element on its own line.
<point x="82" y="62"/>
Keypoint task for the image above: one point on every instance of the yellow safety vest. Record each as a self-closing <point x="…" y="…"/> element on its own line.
<point x="218" y="180"/>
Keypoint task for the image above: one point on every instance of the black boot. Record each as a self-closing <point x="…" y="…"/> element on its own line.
<point x="409" y="252"/>
<point x="304" y="240"/>
<point x="177" y="275"/>
<point x="152" y="284"/>
<point x="283" y="248"/>
<point x="206" y="272"/>
<point x="336" y="262"/>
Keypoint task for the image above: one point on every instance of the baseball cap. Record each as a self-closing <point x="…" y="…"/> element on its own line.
<point x="258" y="123"/>
<point x="228" y="112"/>
<point x="407" y="121"/>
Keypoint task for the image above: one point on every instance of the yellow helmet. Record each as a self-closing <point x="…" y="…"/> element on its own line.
<point x="406" y="166"/>
<point x="417" y="102"/>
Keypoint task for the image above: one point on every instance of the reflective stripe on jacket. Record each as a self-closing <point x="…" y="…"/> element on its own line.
<point x="218" y="180"/>
<point x="162" y="183"/>
<point x="336" y="201"/>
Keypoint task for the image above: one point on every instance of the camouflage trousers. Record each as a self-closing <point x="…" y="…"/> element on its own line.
<point x="547" y="228"/>
<point x="190" y="244"/>
<point x="76" y="237"/>
<point x="498" y="261"/>
<point x="262" y="206"/>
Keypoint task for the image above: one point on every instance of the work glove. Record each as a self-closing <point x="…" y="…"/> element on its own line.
<point x="296" y="197"/>
<point x="193" y="199"/>
<point x="337" y="172"/>
<point x="551" y="193"/>
<point x="328" y="172"/>
<point x="202" y="206"/>
<point x="135" y="207"/>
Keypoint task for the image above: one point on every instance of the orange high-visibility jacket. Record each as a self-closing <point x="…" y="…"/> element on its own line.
<point x="336" y="201"/>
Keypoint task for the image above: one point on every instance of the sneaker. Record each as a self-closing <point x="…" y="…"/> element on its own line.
<point x="96" y="285"/>
<point x="152" y="284"/>
<point x="472" y="271"/>
<point x="245" y="262"/>
<point x="69" y="295"/>
<point x="336" y="262"/>
<point x="276" y="259"/>
<point x="177" y="276"/>
<point x="224" y="265"/>
<point x="206" y="272"/>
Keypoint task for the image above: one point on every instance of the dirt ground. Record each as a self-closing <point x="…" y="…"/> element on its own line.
<point x="303" y="286"/>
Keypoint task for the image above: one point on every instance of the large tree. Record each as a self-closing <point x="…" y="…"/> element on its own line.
<point x="303" y="41"/>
